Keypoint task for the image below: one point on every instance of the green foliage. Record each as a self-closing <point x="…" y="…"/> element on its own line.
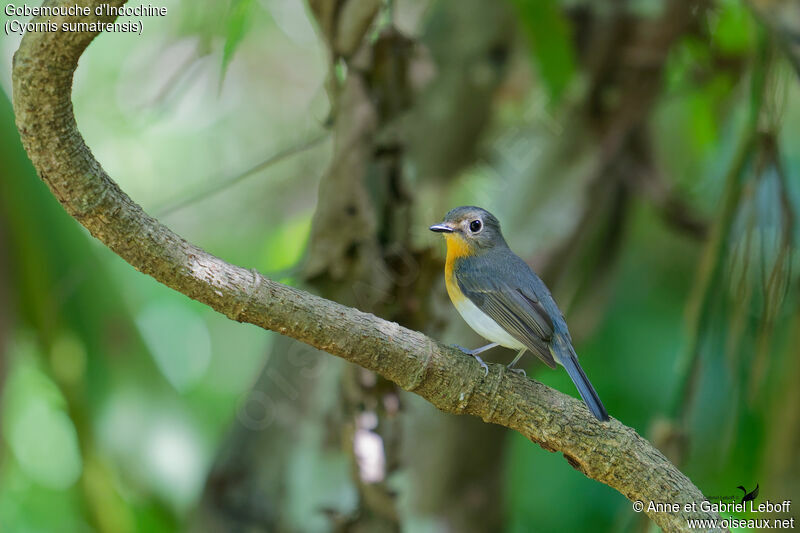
<point x="182" y="359"/>
<point x="285" y="244"/>
<point x="733" y="30"/>
<point x="550" y="37"/>
<point x="236" y="27"/>
<point x="40" y="433"/>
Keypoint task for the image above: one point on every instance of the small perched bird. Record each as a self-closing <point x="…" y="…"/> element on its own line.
<point x="501" y="298"/>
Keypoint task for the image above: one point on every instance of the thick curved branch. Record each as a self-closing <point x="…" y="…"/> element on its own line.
<point x="611" y="453"/>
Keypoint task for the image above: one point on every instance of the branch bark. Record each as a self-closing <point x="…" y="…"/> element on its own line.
<point x="611" y="453"/>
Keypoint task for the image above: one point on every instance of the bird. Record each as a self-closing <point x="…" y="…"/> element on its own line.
<point x="748" y="496"/>
<point x="504" y="301"/>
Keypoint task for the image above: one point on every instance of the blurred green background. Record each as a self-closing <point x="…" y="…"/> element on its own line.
<point x="641" y="155"/>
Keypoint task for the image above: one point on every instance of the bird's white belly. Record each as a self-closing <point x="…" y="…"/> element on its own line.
<point x="485" y="326"/>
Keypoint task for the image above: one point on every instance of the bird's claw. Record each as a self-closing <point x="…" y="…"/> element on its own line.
<point x="519" y="371"/>
<point x="476" y="356"/>
<point x="483" y="364"/>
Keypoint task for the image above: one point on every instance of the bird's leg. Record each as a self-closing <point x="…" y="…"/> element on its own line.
<point x="474" y="353"/>
<point x="512" y="363"/>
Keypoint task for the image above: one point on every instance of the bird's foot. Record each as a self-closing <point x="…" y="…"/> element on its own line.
<point x="483" y="364"/>
<point x="476" y="356"/>
<point x="519" y="371"/>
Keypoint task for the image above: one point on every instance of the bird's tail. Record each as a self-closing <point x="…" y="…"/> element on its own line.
<point x="570" y="362"/>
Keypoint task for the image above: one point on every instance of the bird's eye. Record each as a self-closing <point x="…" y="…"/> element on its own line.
<point x="475" y="226"/>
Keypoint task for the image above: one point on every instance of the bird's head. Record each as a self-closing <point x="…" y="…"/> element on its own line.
<point x="470" y="230"/>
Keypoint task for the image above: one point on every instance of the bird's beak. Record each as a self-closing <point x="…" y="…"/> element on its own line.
<point x="441" y="228"/>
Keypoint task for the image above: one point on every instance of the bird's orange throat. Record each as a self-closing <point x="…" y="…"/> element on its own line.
<point x="457" y="248"/>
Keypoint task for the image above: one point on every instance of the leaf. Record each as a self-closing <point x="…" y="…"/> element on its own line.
<point x="732" y="30"/>
<point x="285" y="244"/>
<point x="549" y="34"/>
<point x="36" y="426"/>
<point x="235" y="30"/>
<point x="182" y="359"/>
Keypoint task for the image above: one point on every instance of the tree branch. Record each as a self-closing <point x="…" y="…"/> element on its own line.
<point x="611" y="453"/>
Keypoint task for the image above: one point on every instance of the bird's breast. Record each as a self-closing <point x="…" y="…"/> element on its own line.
<point x="483" y="324"/>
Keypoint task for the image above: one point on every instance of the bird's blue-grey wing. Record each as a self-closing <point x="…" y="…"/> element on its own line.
<point x="510" y="303"/>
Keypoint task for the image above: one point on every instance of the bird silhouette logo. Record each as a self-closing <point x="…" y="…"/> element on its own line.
<point x="748" y="496"/>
